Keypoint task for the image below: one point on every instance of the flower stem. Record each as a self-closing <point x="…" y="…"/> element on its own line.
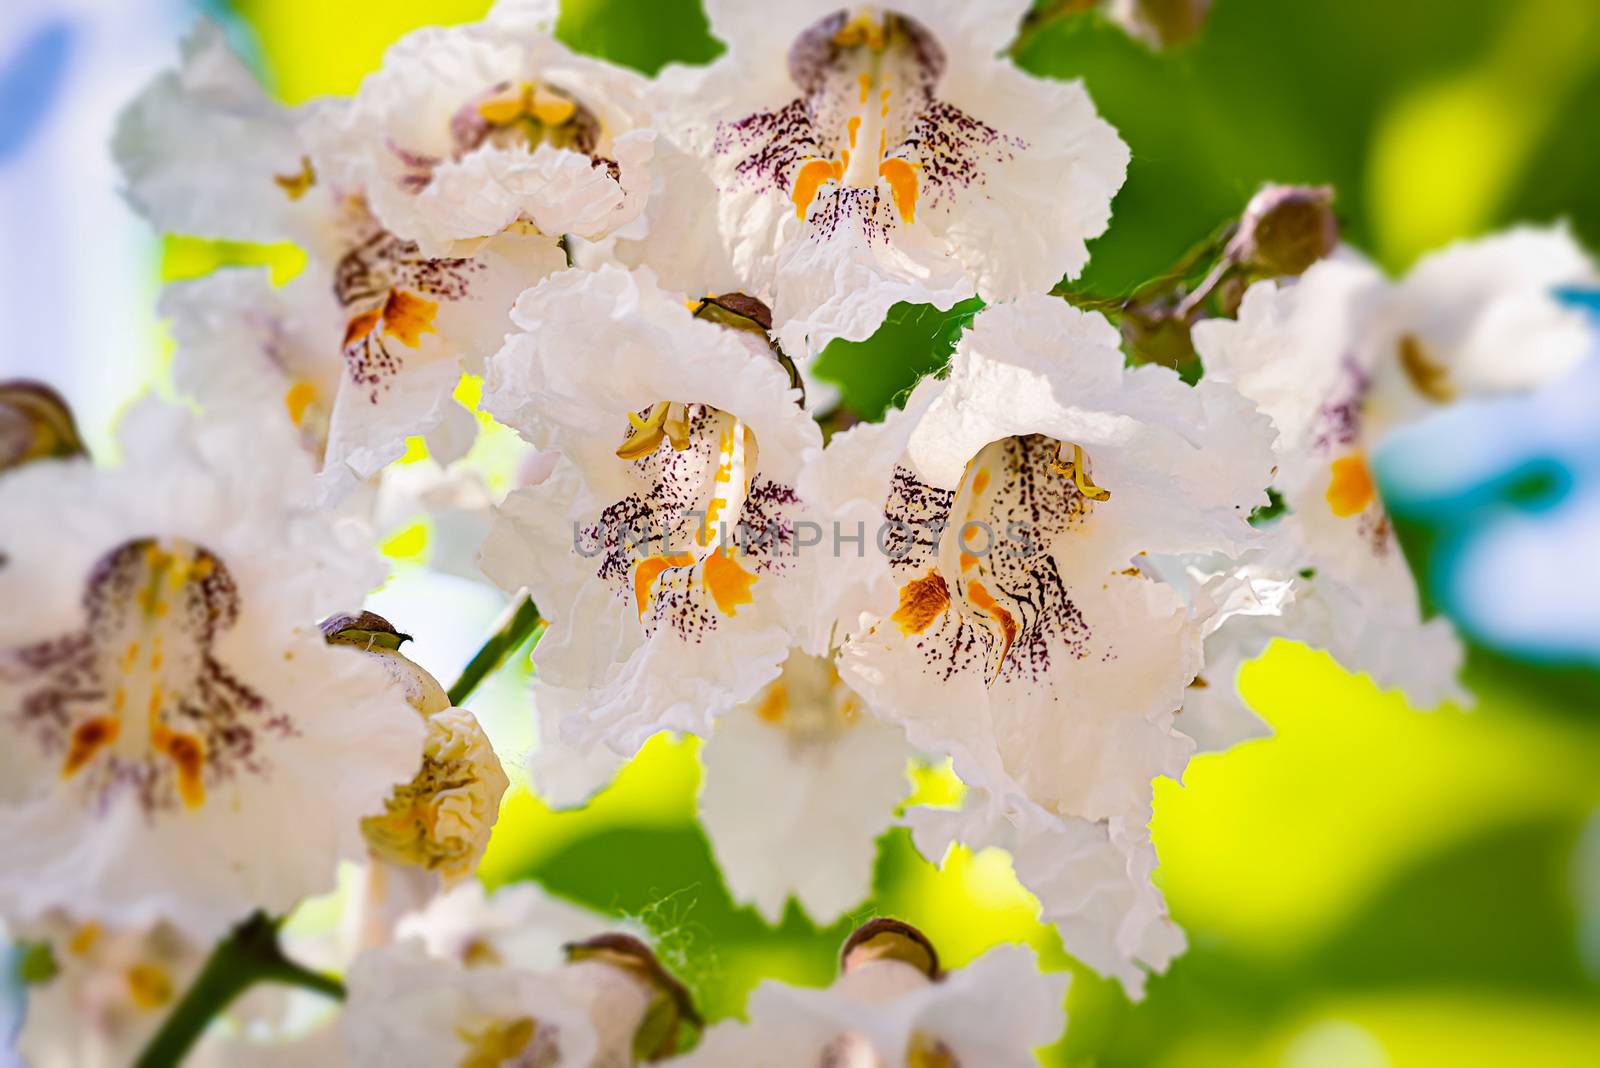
<point x="249" y="955"/>
<point x="518" y="626"/>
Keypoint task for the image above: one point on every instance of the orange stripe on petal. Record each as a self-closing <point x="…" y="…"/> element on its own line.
<point x="811" y="177"/>
<point x="921" y="602"/>
<point x="728" y="582"/>
<point x="88" y="738"/>
<point x="1351" y="488"/>
<point x="408" y="317"/>
<point x="902" y="178"/>
<point x="645" y="573"/>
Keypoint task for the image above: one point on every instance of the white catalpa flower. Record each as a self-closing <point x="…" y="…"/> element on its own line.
<point x="662" y="547"/>
<point x="824" y="774"/>
<point x="609" y="1001"/>
<point x="181" y="742"/>
<point x="363" y="349"/>
<point x="1006" y="621"/>
<point x="1092" y="879"/>
<point x="99" y="993"/>
<point x="470" y="130"/>
<point x="893" y="1006"/>
<point x="868" y="155"/>
<point x="1343" y="356"/>
<point x="519" y="926"/>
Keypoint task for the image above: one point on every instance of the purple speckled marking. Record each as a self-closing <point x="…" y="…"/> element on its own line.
<point x="952" y="150"/>
<point x="63" y="682"/>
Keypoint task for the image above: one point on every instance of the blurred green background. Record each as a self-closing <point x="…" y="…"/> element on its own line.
<point x="1373" y="885"/>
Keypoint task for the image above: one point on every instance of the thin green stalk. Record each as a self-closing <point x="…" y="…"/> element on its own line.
<point x="520" y="625"/>
<point x="249" y="955"/>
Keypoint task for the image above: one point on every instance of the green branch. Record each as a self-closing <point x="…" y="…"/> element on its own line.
<point x="524" y="619"/>
<point x="249" y="955"/>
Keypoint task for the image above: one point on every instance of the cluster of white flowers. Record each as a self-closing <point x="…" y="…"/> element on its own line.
<point x="1047" y="566"/>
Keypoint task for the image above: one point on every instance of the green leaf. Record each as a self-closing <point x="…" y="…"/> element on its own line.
<point x="878" y="373"/>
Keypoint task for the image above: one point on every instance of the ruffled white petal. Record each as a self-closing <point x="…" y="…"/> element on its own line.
<point x="595" y="346"/>
<point x="993" y="1013"/>
<point x="402" y="139"/>
<point x="408" y="1010"/>
<point x="200" y="146"/>
<point x="824" y="775"/>
<point x="519" y="925"/>
<point x="1092" y="880"/>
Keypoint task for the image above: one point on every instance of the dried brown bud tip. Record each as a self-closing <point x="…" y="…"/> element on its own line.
<point x="35" y="424"/>
<point x="366" y="629"/>
<point x="1285" y="229"/>
<point x="889" y="939"/>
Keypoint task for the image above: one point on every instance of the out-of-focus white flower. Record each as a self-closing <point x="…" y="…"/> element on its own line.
<point x="182" y="744"/>
<point x="893" y="1006"/>
<point x="1005" y="620"/>
<point x="661" y="548"/>
<point x="206" y="152"/>
<point x="467" y="131"/>
<point x="823" y="773"/>
<point x="610" y="1005"/>
<point x="869" y="155"/>
<point x="1341" y="357"/>
<point x="103" y="992"/>
<point x="519" y="926"/>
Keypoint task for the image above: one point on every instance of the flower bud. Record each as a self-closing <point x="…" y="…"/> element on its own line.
<point x="656" y="1034"/>
<point x="1161" y="23"/>
<point x="377" y="637"/>
<point x="35" y="424"/>
<point x="889" y="939"/>
<point x="1285" y="229"/>
<point x="740" y="312"/>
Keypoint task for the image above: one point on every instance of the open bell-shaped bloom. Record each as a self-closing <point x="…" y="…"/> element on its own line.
<point x="893" y="1005"/>
<point x="1004" y="620"/>
<point x="100" y="992"/>
<point x="469" y="130"/>
<point x="181" y="743"/>
<point x="1343" y="356"/>
<point x="865" y="155"/>
<point x="662" y="547"/>
<point x="364" y="348"/>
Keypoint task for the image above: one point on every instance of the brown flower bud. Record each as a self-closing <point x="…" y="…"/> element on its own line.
<point x="889" y="939"/>
<point x="1162" y="23"/>
<point x="35" y="424"/>
<point x="1285" y="229"/>
<point x="672" y="1005"/>
<point x="377" y="637"/>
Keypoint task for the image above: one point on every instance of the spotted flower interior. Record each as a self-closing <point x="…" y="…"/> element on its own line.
<point x="866" y="142"/>
<point x="980" y="585"/>
<point x="137" y="703"/>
